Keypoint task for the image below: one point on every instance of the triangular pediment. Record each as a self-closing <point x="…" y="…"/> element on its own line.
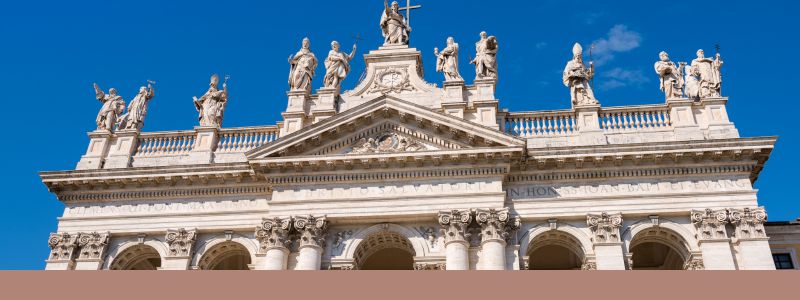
<point x="386" y="126"/>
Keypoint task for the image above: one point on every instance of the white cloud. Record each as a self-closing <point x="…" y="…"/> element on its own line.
<point x="619" y="39"/>
<point x="619" y="77"/>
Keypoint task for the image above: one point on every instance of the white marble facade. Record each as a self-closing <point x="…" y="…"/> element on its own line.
<point x="436" y="172"/>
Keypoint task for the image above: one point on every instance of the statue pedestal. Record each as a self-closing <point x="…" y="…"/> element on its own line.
<point x="97" y="151"/>
<point x="295" y="116"/>
<point x="715" y="122"/>
<point x="205" y="144"/>
<point x="588" y="125"/>
<point x="325" y="106"/>
<point x="453" y="102"/>
<point x="484" y="88"/>
<point x="485" y="103"/>
<point x="122" y="149"/>
<point x="683" y="120"/>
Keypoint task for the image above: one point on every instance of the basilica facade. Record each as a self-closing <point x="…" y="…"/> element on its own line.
<point x="399" y="173"/>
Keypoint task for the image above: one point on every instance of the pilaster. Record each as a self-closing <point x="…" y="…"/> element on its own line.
<point x="751" y="238"/>
<point x="99" y="142"/>
<point x="455" y="227"/>
<point x="312" y="232"/>
<point x="683" y="119"/>
<point x="713" y="238"/>
<point x="181" y="247"/>
<point x="92" y="250"/>
<point x="205" y="144"/>
<point x="273" y="239"/>
<point x="606" y="241"/>
<point x="123" y="145"/>
<point x="62" y="251"/>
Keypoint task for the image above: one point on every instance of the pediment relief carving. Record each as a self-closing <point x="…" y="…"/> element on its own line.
<point x="387" y="143"/>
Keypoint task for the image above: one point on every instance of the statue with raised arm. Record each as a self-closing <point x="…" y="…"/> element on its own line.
<point x="211" y="106"/>
<point x="337" y="66"/>
<point x="303" y="66"/>
<point x="577" y="77"/>
<point x="113" y="106"/>
<point x="447" y="61"/>
<point x="137" y="109"/>
<point x="710" y="77"/>
<point x="670" y="75"/>
<point x="485" y="57"/>
<point x="394" y="26"/>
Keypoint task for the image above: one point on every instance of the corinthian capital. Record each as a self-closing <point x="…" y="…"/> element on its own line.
<point x="455" y="225"/>
<point x="93" y="245"/>
<point x="312" y="230"/>
<point x="274" y="233"/>
<point x="749" y="222"/>
<point x="710" y="224"/>
<point x="605" y="227"/>
<point x="180" y="242"/>
<point x="496" y="224"/>
<point x="62" y="246"/>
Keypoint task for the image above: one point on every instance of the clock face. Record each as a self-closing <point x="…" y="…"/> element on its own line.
<point x="391" y="79"/>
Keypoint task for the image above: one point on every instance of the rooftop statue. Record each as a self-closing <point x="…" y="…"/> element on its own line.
<point x="137" y="109"/>
<point x="303" y="66"/>
<point x="337" y="66"/>
<point x="710" y="75"/>
<point x="395" y="27"/>
<point x="211" y="105"/>
<point x="113" y="106"/>
<point x="577" y="76"/>
<point x="447" y="61"/>
<point x="671" y="76"/>
<point x="485" y="57"/>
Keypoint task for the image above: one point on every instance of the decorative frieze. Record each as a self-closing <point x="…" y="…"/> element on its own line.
<point x="710" y="224"/>
<point x="455" y="225"/>
<point x="496" y="224"/>
<point x="62" y="246"/>
<point x="589" y="266"/>
<point x="428" y="266"/>
<point x="605" y="227"/>
<point x="749" y="222"/>
<point x="312" y="230"/>
<point x="180" y="242"/>
<point x="92" y="245"/>
<point x="274" y="233"/>
<point x="694" y="264"/>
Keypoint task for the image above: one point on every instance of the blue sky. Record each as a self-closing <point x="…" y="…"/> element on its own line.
<point x="52" y="52"/>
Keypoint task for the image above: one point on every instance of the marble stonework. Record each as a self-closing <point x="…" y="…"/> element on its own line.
<point x="434" y="170"/>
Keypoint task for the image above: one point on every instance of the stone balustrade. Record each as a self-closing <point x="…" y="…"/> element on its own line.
<point x="635" y="118"/>
<point x="165" y="143"/>
<point x="546" y="123"/>
<point x="244" y="139"/>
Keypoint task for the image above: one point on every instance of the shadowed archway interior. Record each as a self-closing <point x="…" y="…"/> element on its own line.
<point x="385" y="251"/>
<point x="226" y="256"/>
<point x="555" y="250"/>
<point x="139" y="257"/>
<point x="658" y="249"/>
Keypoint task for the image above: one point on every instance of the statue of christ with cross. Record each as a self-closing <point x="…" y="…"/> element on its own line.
<point x="396" y="28"/>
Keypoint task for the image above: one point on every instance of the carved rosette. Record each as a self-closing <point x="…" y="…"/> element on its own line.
<point x="455" y="225"/>
<point x="749" y="222"/>
<point x="180" y="242"/>
<point x="62" y="246"/>
<point x="710" y="224"/>
<point x="312" y="230"/>
<point x="605" y="227"/>
<point x="496" y="224"/>
<point x="93" y="245"/>
<point x="274" y="233"/>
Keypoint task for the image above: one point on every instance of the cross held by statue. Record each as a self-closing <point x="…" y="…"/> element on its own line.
<point x="408" y="9"/>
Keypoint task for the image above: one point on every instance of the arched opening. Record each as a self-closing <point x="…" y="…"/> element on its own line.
<point x="385" y="251"/>
<point x="555" y="250"/>
<point x="226" y="256"/>
<point x="139" y="257"/>
<point x="658" y="249"/>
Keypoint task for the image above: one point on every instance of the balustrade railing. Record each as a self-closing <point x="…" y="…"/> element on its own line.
<point x="635" y="118"/>
<point x="165" y="143"/>
<point x="548" y="123"/>
<point x="244" y="139"/>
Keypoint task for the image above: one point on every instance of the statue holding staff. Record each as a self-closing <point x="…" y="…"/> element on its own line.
<point x="113" y="106"/>
<point x="337" y="66"/>
<point x="137" y="109"/>
<point x="211" y="106"/>
<point x="577" y="77"/>
<point x="394" y="26"/>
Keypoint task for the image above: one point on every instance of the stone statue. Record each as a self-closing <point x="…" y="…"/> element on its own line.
<point x="485" y="57"/>
<point x="671" y="76"/>
<point x="337" y="66"/>
<point x="577" y="77"/>
<point x="710" y="76"/>
<point x="394" y="25"/>
<point x="303" y="66"/>
<point x="113" y="106"/>
<point x="692" y="83"/>
<point x="211" y="105"/>
<point x="137" y="109"/>
<point x="447" y="61"/>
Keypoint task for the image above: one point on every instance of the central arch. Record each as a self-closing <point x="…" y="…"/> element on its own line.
<point x="555" y="250"/>
<point x="658" y="249"/>
<point x="385" y="250"/>
<point x="226" y="256"/>
<point x="137" y="257"/>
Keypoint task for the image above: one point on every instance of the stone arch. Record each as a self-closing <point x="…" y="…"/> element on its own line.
<point x="415" y="238"/>
<point x="115" y="252"/>
<point x="581" y="237"/>
<point x="662" y="237"/>
<point x="687" y="237"/>
<point x="543" y="236"/>
<point x="203" y="257"/>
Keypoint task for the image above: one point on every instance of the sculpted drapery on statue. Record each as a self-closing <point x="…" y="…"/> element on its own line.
<point x="303" y="67"/>
<point x="671" y="76"/>
<point x="137" y="109"/>
<point x="485" y="57"/>
<point x="447" y="61"/>
<point x="394" y="26"/>
<point x="709" y="73"/>
<point x="337" y="66"/>
<point x="577" y="77"/>
<point x="113" y="106"/>
<point x="211" y="105"/>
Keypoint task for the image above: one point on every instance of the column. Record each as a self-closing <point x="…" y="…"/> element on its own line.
<point x="181" y="247"/>
<point x="455" y="224"/>
<point x="122" y="148"/>
<point x="496" y="227"/>
<point x="713" y="238"/>
<point x="97" y="151"/>
<point x="92" y="250"/>
<point x="273" y="239"/>
<point x="752" y="239"/>
<point x="606" y="239"/>
<point x="62" y="251"/>
<point x="312" y="238"/>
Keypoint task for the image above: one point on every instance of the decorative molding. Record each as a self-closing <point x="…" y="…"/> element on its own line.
<point x="62" y="246"/>
<point x="749" y="223"/>
<point x="93" y="245"/>
<point x="429" y="266"/>
<point x="496" y="224"/>
<point x="710" y="224"/>
<point x="694" y="264"/>
<point x="181" y="242"/>
<point x="186" y="193"/>
<point x="455" y="225"/>
<point x="605" y="227"/>
<point x="312" y="230"/>
<point x="273" y="233"/>
<point x="630" y="173"/>
<point x="382" y="176"/>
